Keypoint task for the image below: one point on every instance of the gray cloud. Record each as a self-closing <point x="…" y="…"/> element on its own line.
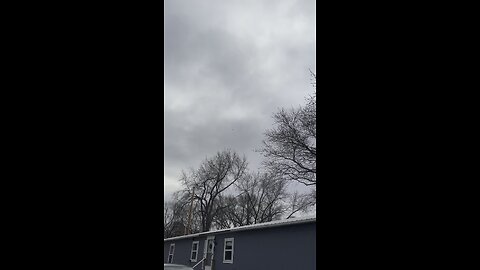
<point x="229" y="65"/>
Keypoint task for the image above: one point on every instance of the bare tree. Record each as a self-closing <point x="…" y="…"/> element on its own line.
<point x="290" y="147"/>
<point x="299" y="203"/>
<point x="262" y="198"/>
<point x="214" y="177"/>
<point x="222" y="219"/>
<point x="167" y="219"/>
<point x="174" y="217"/>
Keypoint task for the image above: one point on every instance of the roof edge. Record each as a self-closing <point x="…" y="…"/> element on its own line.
<point x="271" y="224"/>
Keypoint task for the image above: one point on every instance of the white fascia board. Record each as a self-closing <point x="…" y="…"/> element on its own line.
<point x="276" y="223"/>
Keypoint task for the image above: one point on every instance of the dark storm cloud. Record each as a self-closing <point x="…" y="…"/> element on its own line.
<point x="229" y="65"/>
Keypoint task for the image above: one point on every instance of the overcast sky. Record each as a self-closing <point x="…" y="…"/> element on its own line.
<point x="229" y="65"/>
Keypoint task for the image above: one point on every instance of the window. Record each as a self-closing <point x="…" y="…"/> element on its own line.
<point x="194" y="254"/>
<point x="228" y="251"/>
<point x="170" y="253"/>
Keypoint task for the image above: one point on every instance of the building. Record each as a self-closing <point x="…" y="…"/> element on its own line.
<point x="284" y="244"/>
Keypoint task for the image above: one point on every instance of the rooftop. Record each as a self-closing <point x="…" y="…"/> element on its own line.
<point x="270" y="224"/>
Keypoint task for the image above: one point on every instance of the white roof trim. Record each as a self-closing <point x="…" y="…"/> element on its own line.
<point x="270" y="224"/>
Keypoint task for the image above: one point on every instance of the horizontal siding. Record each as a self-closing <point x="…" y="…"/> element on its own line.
<point x="183" y="249"/>
<point x="285" y="247"/>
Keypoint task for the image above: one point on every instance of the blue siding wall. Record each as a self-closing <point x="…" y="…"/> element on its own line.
<point x="288" y="247"/>
<point x="183" y="249"/>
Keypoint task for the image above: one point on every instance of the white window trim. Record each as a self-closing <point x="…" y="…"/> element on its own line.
<point x="224" y="249"/>
<point x="196" y="251"/>
<point x="173" y="252"/>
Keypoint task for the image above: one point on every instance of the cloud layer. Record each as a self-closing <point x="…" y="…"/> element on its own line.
<point x="229" y="65"/>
